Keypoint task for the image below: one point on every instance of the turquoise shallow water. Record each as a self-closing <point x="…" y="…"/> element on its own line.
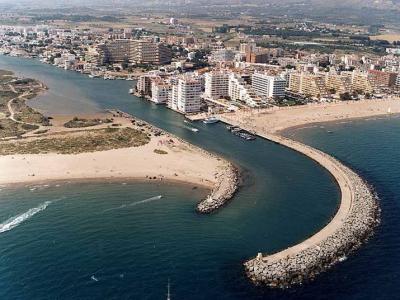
<point x="132" y="251"/>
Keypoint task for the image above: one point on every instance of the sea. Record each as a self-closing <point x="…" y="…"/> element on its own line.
<point x="127" y="239"/>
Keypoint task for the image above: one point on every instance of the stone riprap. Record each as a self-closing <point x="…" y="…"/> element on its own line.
<point x="352" y="225"/>
<point x="226" y="185"/>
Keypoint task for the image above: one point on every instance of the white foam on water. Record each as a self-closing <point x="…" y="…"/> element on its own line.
<point x="17" y="220"/>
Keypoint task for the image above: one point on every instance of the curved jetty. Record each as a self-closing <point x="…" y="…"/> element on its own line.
<point x="226" y="185"/>
<point x="354" y="222"/>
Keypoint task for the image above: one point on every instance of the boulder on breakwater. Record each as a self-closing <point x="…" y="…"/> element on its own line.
<point x="227" y="183"/>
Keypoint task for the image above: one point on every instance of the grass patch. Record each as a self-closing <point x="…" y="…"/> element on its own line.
<point x="27" y="114"/>
<point x="81" y="123"/>
<point x="159" y="151"/>
<point x="96" y="140"/>
<point x="9" y="128"/>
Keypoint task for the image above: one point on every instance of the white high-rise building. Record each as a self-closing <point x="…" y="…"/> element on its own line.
<point x="268" y="86"/>
<point x="239" y="90"/>
<point x="216" y="84"/>
<point x="186" y="95"/>
<point x="160" y="92"/>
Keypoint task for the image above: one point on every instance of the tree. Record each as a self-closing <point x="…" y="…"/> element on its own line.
<point x="345" y="96"/>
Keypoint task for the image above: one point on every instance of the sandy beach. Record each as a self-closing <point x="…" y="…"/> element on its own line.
<point x="273" y="120"/>
<point x="180" y="162"/>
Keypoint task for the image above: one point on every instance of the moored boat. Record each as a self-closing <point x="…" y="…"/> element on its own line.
<point x="210" y="120"/>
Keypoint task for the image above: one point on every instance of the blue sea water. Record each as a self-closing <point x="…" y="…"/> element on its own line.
<point x="96" y="240"/>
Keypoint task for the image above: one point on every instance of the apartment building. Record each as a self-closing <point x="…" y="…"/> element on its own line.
<point x="147" y="52"/>
<point x="186" y="95"/>
<point x="381" y="78"/>
<point x="247" y="47"/>
<point x="268" y="86"/>
<point x="160" y="91"/>
<point x="258" y="57"/>
<point x="143" y="85"/>
<point x="114" y="52"/>
<point x="239" y="90"/>
<point x="310" y="85"/>
<point x="338" y="83"/>
<point x="138" y="51"/>
<point x="216" y="84"/>
<point x="360" y="82"/>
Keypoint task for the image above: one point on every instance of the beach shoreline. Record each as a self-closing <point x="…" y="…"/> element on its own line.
<point x="292" y="129"/>
<point x="106" y="180"/>
<point x="276" y="120"/>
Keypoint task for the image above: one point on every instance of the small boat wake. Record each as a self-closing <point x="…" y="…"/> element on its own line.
<point x="19" y="219"/>
<point x="134" y="203"/>
<point x="146" y="200"/>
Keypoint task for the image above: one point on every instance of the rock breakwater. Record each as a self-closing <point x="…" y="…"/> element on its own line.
<point x="227" y="183"/>
<point x="353" y="224"/>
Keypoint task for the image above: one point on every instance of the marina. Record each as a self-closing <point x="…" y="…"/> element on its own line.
<point x="235" y="130"/>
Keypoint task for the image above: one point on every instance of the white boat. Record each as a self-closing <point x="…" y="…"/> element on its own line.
<point x="210" y="120"/>
<point x="192" y="129"/>
<point x="131" y="91"/>
<point x="343" y="258"/>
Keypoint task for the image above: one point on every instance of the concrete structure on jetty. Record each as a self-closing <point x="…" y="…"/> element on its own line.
<point x="353" y="224"/>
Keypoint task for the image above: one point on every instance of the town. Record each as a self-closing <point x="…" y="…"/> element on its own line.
<point x="199" y="149"/>
<point x="190" y="71"/>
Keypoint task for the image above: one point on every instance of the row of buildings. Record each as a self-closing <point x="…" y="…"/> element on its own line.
<point x="325" y="84"/>
<point x="188" y="92"/>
